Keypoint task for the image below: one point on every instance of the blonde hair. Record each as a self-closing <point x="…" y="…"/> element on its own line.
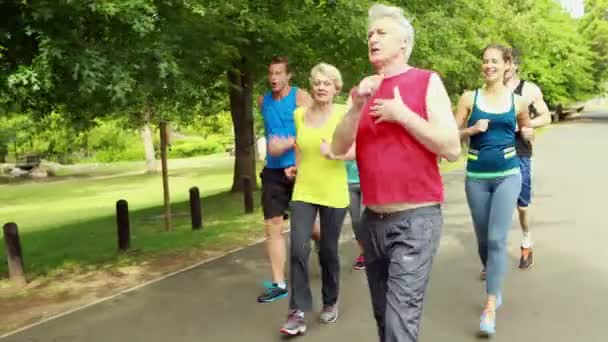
<point x="379" y="11"/>
<point x="327" y="70"/>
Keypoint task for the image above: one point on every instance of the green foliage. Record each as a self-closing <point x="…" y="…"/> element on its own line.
<point x="206" y="125"/>
<point x="110" y="141"/>
<point x="555" y="54"/>
<point x="130" y="153"/>
<point x="51" y="138"/>
<point x="11" y="133"/>
<point x="169" y="59"/>
<point x="96" y="57"/>
<point x="190" y="147"/>
<point x="594" y="27"/>
<point x="452" y="35"/>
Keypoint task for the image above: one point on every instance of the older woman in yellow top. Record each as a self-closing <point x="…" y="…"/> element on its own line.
<point x="320" y="187"/>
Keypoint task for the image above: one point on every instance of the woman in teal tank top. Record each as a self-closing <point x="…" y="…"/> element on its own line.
<point x="356" y="204"/>
<point x="489" y="118"/>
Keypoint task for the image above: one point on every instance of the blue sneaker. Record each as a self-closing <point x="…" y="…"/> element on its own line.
<point x="272" y="293"/>
<point x="487" y="324"/>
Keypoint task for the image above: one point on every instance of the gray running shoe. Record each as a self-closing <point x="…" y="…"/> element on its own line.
<point x="527" y="258"/>
<point x="295" y="324"/>
<point x="329" y="314"/>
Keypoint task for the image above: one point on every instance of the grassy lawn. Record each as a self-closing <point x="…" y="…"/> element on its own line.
<point x="71" y="223"/>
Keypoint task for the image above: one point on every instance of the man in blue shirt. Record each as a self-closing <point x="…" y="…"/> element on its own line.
<point x="277" y="107"/>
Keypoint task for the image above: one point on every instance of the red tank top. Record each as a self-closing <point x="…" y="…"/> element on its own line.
<point x="393" y="166"/>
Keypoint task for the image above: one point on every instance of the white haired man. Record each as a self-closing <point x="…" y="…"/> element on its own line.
<point x="402" y="123"/>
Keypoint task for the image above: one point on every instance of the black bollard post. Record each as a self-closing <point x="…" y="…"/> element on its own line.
<point x="122" y="224"/>
<point x="195" y="209"/>
<point x="248" y="194"/>
<point x="14" y="255"/>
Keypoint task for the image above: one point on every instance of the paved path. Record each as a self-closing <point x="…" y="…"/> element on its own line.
<point x="563" y="298"/>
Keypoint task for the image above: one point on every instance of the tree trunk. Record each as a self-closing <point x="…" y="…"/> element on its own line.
<point x="3" y="151"/>
<point x="241" y="108"/>
<point x="85" y="146"/>
<point x="16" y="151"/>
<point x="146" y="136"/>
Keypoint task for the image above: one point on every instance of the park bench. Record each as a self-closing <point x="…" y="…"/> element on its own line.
<point x="28" y="162"/>
<point x="231" y="150"/>
<point x="561" y="111"/>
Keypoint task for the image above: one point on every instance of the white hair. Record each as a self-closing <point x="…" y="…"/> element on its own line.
<point x="379" y="11"/>
<point x="330" y="72"/>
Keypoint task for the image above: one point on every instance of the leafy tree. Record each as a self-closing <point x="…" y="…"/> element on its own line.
<point x="244" y="35"/>
<point x="95" y="58"/>
<point x="594" y="27"/>
<point x="152" y="60"/>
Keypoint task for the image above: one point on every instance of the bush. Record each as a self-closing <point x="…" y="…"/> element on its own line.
<point x="110" y="141"/>
<point x="134" y="153"/>
<point x="208" y="125"/>
<point x="190" y="147"/>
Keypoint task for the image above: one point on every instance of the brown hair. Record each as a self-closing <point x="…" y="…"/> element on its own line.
<point x="506" y="52"/>
<point x="281" y="60"/>
<point x="515" y="56"/>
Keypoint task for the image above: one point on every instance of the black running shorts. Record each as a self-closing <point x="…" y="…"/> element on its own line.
<point x="277" y="189"/>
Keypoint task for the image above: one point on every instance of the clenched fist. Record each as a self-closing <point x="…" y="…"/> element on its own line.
<point x="481" y="125"/>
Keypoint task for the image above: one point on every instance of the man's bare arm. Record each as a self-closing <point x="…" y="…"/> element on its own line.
<point x="303" y="99"/>
<point x="544" y="116"/>
<point x="351" y="154"/>
<point x="326" y="151"/>
<point x="439" y="134"/>
<point x="346" y="132"/>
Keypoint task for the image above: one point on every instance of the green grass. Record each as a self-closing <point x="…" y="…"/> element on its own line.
<point x="105" y="169"/>
<point x="70" y="224"/>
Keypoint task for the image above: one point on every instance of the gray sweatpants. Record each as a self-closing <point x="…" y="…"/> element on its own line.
<point x="302" y="220"/>
<point x="399" y="250"/>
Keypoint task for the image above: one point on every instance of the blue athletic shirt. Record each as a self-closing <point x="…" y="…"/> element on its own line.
<point x="278" y="121"/>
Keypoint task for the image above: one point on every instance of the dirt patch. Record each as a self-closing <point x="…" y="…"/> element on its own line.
<point x="48" y="296"/>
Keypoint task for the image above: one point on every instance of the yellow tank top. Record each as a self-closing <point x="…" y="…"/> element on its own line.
<point x="319" y="181"/>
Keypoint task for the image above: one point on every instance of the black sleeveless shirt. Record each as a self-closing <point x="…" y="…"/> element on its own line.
<point x="523" y="146"/>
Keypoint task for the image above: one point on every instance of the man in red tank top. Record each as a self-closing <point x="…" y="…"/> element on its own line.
<point x="402" y="122"/>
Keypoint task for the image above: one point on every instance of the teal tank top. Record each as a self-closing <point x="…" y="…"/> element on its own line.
<point x="352" y="172"/>
<point x="492" y="153"/>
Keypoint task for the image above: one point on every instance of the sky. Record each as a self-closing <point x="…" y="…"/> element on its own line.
<point x="576" y="8"/>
